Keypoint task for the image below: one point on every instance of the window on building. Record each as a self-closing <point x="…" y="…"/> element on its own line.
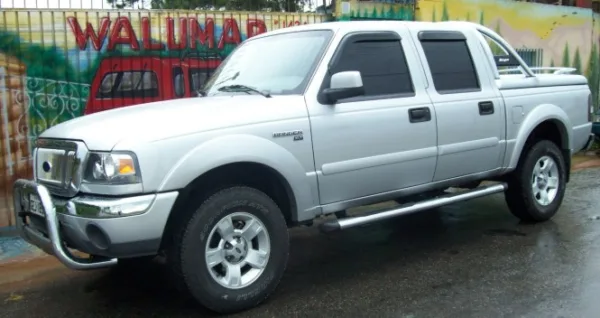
<point x="198" y="77"/>
<point x="128" y="84"/>
<point x="178" y="82"/>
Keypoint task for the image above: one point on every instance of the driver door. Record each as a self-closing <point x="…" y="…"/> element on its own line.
<point x="376" y="143"/>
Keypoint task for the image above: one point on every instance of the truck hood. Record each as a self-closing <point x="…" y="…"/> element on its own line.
<point x="176" y="117"/>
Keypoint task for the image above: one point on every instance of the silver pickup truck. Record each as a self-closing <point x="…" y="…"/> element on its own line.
<point x="298" y="124"/>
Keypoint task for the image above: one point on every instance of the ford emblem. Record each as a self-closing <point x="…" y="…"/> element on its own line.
<point x="46" y="166"/>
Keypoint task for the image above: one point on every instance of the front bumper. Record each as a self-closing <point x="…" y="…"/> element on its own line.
<point x="80" y="223"/>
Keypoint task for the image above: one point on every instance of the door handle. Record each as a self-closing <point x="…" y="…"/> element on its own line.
<point x="419" y="115"/>
<point x="486" y="108"/>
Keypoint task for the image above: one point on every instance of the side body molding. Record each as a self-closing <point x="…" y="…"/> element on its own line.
<point x="539" y="114"/>
<point x="245" y="148"/>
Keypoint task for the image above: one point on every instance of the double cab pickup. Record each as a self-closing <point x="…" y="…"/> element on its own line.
<point x="294" y="125"/>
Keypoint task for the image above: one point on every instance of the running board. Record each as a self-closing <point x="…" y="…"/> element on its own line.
<point x="342" y="224"/>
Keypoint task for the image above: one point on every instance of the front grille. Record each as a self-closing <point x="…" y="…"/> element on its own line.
<point x="58" y="165"/>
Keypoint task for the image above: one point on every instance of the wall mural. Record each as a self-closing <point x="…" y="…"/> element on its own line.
<point x="58" y="65"/>
<point x="375" y="9"/>
<point x="544" y="35"/>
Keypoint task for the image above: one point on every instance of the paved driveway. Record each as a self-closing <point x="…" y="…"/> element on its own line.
<point x="467" y="260"/>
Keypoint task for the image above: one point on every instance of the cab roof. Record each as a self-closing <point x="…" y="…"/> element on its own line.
<point x="349" y="26"/>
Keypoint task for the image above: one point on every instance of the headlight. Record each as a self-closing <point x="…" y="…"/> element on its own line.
<point x="111" y="168"/>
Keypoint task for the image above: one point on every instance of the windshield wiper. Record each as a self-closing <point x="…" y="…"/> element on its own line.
<point x="242" y="88"/>
<point x="232" y="77"/>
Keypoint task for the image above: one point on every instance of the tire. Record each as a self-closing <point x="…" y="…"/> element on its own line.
<point x="525" y="192"/>
<point x="240" y="204"/>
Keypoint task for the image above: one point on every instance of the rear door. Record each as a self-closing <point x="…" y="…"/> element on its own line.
<point x="469" y="109"/>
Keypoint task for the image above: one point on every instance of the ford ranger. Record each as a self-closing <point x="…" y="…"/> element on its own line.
<point x="297" y="124"/>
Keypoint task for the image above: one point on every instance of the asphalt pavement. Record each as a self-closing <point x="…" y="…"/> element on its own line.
<point x="472" y="259"/>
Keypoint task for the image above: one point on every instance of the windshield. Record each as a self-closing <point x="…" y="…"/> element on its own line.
<point x="278" y="64"/>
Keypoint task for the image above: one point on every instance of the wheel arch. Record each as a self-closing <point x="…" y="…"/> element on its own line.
<point x="240" y="160"/>
<point x="539" y="122"/>
<point x="548" y="122"/>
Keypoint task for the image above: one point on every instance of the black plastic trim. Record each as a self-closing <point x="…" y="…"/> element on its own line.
<point x="567" y="157"/>
<point x="506" y="61"/>
<point x="441" y="36"/>
<point x="419" y="115"/>
<point x="375" y="97"/>
<point x="119" y="250"/>
<point x="459" y="91"/>
<point x="486" y="108"/>
<point x="362" y="36"/>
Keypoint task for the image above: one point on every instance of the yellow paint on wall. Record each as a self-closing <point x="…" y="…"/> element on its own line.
<point x="524" y="25"/>
<point x="519" y="15"/>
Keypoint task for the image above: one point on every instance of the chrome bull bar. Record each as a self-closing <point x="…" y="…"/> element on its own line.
<point x="53" y="244"/>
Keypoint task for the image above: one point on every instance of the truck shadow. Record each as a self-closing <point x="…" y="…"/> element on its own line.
<point x="402" y="249"/>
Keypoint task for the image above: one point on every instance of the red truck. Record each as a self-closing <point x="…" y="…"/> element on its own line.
<point x="126" y="81"/>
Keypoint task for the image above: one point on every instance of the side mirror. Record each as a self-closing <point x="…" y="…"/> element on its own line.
<point x="344" y="85"/>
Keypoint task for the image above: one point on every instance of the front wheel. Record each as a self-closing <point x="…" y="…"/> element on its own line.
<point x="234" y="250"/>
<point x="537" y="186"/>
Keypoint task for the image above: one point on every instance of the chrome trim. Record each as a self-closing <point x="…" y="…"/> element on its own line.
<point x="93" y="207"/>
<point x="499" y="40"/>
<point x="395" y="194"/>
<point x="53" y="243"/>
<point x="557" y="70"/>
<point x="71" y="163"/>
<point x="377" y="216"/>
<point x="111" y="189"/>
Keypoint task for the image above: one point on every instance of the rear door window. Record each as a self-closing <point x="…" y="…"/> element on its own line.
<point x="451" y="64"/>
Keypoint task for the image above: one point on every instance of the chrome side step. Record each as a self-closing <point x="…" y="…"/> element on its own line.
<point x="376" y="216"/>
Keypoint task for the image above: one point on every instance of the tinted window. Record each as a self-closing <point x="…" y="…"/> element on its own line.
<point x="382" y="65"/>
<point x="451" y="65"/>
<point x="130" y="84"/>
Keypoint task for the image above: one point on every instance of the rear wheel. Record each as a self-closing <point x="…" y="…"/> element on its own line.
<point x="537" y="186"/>
<point x="233" y="250"/>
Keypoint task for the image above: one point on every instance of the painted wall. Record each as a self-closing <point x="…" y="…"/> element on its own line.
<point x="560" y="35"/>
<point x="376" y="9"/>
<point x="53" y="62"/>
